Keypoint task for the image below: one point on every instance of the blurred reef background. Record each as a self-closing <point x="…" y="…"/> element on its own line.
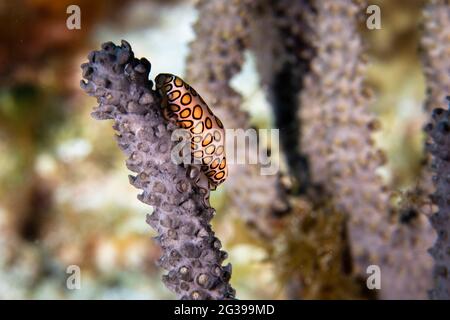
<point x="64" y="195"/>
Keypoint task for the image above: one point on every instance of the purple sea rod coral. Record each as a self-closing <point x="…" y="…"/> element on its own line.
<point x="435" y="47"/>
<point x="439" y="147"/>
<point x="190" y="252"/>
<point x="337" y="137"/>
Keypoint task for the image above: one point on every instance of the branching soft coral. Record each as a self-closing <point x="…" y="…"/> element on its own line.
<point x="190" y="252"/>
<point x="436" y="51"/>
<point x="337" y="138"/>
<point x="436" y="60"/>
<point x="439" y="147"/>
<point x="338" y="132"/>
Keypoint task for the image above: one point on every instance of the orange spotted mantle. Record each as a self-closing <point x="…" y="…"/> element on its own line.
<point x="186" y="107"/>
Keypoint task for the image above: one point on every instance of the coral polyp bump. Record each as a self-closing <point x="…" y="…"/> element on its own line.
<point x="181" y="103"/>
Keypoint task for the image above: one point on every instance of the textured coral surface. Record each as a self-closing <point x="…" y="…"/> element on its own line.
<point x="439" y="146"/>
<point x="343" y="158"/>
<point x="436" y="51"/>
<point x="190" y="252"/>
<point x="435" y="54"/>
<point x="337" y="137"/>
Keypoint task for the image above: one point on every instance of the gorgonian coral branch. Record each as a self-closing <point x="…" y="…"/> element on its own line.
<point x="190" y="252"/>
<point x="436" y="51"/>
<point x="216" y="56"/>
<point x="439" y="147"/>
<point x="337" y="137"/>
<point x="338" y="125"/>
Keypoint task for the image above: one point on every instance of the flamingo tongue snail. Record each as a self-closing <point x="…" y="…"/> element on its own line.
<point x="181" y="103"/>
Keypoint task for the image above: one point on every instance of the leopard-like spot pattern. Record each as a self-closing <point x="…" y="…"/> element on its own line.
<point x="181" y="103"/>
